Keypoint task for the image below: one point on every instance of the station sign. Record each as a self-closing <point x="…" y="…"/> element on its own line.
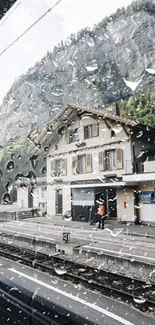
<point x="146" y="197"/>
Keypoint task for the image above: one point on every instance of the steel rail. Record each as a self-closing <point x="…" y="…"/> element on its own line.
<point x="104" y="282"/>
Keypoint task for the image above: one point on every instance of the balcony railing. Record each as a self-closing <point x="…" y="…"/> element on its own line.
<point x="140" y="167"/>
<point x="149" y="166"/>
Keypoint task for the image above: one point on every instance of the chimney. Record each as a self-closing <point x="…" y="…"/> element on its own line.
<point x="117" y="109"/>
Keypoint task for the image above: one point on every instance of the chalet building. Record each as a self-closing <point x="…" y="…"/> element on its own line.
<point x="31" y="194"/>
<point x="91" y="156"/>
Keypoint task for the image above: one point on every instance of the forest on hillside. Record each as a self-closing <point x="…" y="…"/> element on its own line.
<point x="139" y="107"/>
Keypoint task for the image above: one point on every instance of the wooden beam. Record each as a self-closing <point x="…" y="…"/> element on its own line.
<point x="125" y="130"/>
<point x="107" y="124"/>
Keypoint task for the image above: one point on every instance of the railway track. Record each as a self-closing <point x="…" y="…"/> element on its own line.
<point x="132" y="291"/>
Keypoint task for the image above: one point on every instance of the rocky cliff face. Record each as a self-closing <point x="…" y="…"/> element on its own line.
<point x="95" y="68"/>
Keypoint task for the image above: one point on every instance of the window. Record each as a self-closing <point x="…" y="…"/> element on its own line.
<point x="82" y="164"/>
<point x="73" y="135"/>
<point x="110" y="159"/>
<point x="43" y="191"/>
<point x="113" y="133"/>
<point x="91" y="130"/>
<point x="88" y="131"/>
<point x="58" y="167"/>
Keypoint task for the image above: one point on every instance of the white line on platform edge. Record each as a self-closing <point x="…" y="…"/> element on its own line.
<point x="116" y="252"/>
<point x="75" y="298"/>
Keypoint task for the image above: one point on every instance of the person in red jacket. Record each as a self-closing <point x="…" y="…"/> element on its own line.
<point x="101" y="212"/>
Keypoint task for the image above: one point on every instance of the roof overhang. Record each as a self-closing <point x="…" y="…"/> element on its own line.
<point x="67" y="114"/>
<point x="64" y="116"/>
<point x="114" y="184"/>
<point x="145" y="177"/>
<point x="28" y="182"/>
<point x="50" y="130"/>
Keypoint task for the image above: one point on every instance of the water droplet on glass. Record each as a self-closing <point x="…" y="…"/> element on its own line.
<point x="91" y="43"/>
<point x="9" y="309"/>
<point x="54" y="281"/>
<point x="139" y="299"/>
<point x="117" y="129"/>
<point x="139" y="296"/>
<point x="60" y="271"/>
<point x="81" y="218"/>
<point x="132" y="259"/>
<point x="67" y="218"/>
<point x="10" y="166"/>
<point x="115" y="232"/>
<point x="140" y="134"/>
<point x="92" y="68"/>
<point x="49" y="129"/>
<point x="152" y="273"/>
<point x="44" y="170"/>
<point x="34" y="161"/>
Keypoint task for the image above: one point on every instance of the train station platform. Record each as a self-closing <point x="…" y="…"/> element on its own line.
<point x="128" y="229"/>
<point x="110" y="249"/>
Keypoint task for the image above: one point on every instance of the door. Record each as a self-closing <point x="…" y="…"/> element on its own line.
<point x="111" y="203"/>
<point x="108" y="197"/>
<point x="58" y="201"/>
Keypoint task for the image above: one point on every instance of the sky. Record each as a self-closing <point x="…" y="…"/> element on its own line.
<point x="67" y="17"/>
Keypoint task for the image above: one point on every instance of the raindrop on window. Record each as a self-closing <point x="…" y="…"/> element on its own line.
<point x="139" y="296"/>
<point x="139" y="299"/>
<point x="60" y="271"/>
<point x="34" y="161"/>
<point x="44" y="170"/>
<point x="10" y="165"/>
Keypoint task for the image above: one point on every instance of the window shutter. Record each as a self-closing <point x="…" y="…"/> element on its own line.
<point x="74" y="165"/>
<point x="119" y="158"/>
<point x="95" y="130"/>
<point x="67" y="138"/>
<point x="53" y="168"/>
<point x="64" y="166"/>
<point x="101" y="160"/>
<point x="89" y="163"/>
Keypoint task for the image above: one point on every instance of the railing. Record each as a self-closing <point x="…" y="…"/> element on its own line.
<point x="149" y="166"/>
<point x="139" y="167"/>
<point x="133" y="167"/>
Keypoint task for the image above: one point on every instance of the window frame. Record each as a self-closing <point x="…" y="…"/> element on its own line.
<point x="73" y="133"/>
<point x="58" y="173"/>
<point x="86" y="130"/>
<point x="110" y="165"/>
<point x="79" y="157"/>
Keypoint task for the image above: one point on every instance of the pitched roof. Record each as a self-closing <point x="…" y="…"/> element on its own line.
<point x="66" y="111"/>
<point x="93" y="111"/>
<point x="100" y="112"/>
